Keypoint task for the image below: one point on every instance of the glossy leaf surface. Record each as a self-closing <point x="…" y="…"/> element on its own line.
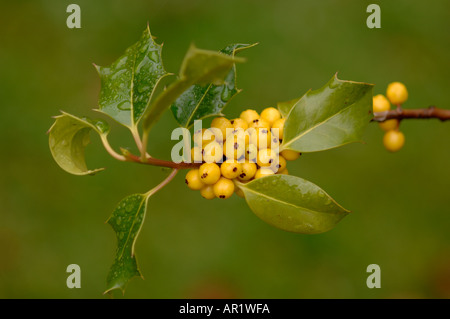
<point x="199" y="67"/>
<point x="127" y="85"/>
<point x="292" y="204"/>
<point x="202" y="101"/>
<point x="285" y="107"/>
<point x="126" y="221"/>
<point x="332" y="116"/>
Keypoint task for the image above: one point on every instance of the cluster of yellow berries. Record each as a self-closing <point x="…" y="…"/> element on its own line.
<point x="396" y="94"/>
<point x="244" y="149"/>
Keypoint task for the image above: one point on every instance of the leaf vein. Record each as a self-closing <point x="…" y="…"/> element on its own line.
<point x="317" y="125"/>
<point x="280" y="201"/>
<point x="197" y="106"/>
<point x="130" y="231"/>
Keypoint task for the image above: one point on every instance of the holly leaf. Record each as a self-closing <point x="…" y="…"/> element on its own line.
<point x="126" y="221"/>
<point x="292" y="204"/>
<point x="128" y="84"/>
<point x="329" y="117"/>
<point x="199" y="67"/>
<point x="68" y="138"/>
<point x="285" y="107"/>
<point x="202" y="101"/>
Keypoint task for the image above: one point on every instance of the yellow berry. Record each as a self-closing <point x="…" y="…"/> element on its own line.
<point x="263" y="171"/>
<point x="208" y="136"/>
<point x="261" y="137"/>
<point x="234" y="148"/>
<point x="239" y="135"/>
<point x="274" y="142"/>
<point x="389" y="125"/>
<point x="213" y="153"/>
<point x="251" y="152"/>
<point x="271" y="115"/>
<point x="224" y="188"/>
<point x="239" y="192"/>
<point x="290" y="155"/>
<point x="266" y="157"/>
<point x="380" y="103"/>
<point x="239" y="123"/>
<point x="281" y="165"/>
<point x="196" y="154"/>
<point x="208" y="192"/>
<point x="249" y="116"/>
<point x="198" y="135"/>
<point x="284" y="172"/>
<point x="393" y="140"/>
<point x="396" y="93"/>
<point x="203" y="137"/>
<point x="231" y="169"/>
<point x="278" y="124"/>
<point x="209" y="173"/>
<point x="222" y="124"/>
<point x="248" y="171"/>
<point x="237" y="132"/>
<point x="193" y="180"/>
<point x="259" y="123"/>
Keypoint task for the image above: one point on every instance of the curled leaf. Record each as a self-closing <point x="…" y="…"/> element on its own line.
<point x="68" y="138"/>
<point x="198" y="67"/>
<point x="202" y="101"/>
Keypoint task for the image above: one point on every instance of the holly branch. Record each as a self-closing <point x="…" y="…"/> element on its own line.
<point x="399" y="113"/>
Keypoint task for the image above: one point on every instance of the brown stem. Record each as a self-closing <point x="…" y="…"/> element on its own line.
<point x="431" y="112"/>
<point x="398" y="113"/>
<point x="158" y="162"/>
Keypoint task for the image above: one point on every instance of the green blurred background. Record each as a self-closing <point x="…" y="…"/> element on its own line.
<point x="191" y="247"/>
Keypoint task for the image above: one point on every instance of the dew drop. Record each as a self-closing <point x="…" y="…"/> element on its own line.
<point x="124" y="106"/>
<point x="226" y="94"/>
<point x="154" y="56"/>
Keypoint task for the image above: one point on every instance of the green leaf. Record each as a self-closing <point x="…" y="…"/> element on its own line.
<point x="68" y="138"/>
<point x="285" y="107"/>
<point x="329" y="117"/>
<point x="127" y="85"/>
<point x="126" y="221"/>
<point x="198" y="67"/>
<point x="292" y="204"/>
<point x="202" y="101"/>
